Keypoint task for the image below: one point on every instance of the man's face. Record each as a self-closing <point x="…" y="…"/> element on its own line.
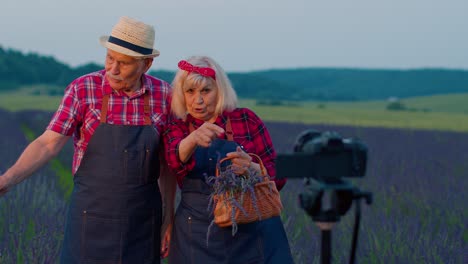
<point x="124" y="72"/>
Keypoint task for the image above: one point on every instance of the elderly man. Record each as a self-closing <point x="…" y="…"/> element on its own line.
<point x="116" y="117"/>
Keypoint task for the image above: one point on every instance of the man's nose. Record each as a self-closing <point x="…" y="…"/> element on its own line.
<point x="115" y="68"/>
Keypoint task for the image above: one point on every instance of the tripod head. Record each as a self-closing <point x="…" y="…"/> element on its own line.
<point x="326" y="202"/>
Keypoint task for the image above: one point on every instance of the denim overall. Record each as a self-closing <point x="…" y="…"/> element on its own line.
<point x="258" y="242"/>
<point x="114" y="214"/>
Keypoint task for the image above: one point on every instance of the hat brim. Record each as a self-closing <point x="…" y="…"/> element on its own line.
<point x="103" y="40"/>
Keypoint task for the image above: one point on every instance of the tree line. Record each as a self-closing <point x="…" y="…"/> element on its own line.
<point x="323" y="84"/>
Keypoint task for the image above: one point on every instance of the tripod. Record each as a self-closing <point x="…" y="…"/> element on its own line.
<point x="330" y="202"/>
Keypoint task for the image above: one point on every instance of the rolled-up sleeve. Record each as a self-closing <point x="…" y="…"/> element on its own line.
<point x="67" y="116"/>
<point x="176" y="130"/>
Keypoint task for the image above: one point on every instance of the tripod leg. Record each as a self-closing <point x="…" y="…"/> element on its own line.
<point x="357" y="221"/>
<point x="326" y="247"/>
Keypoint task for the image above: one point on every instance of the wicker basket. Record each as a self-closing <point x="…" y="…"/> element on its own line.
<point x="268" y="202"/>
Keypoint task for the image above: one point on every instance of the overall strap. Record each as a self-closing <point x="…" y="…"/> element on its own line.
<point x="105" y="102"/>
<point x="146" y="107"/>
<point x="229" y="134"/>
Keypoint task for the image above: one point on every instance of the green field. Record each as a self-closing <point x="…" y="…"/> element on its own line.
<point x="30" y="98"/>
<point x="365" y="117"/>
<point x="449" y="103"/>
<point x="441" y="112"/>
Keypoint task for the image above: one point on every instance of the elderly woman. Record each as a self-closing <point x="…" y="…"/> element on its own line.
<point x="209" y="125"/>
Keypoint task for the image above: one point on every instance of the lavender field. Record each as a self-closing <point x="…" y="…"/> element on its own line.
<point x="418" y="179"/>
<point x="419" y="213"/>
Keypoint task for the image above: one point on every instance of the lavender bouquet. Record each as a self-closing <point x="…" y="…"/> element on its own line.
<point x="233" y="189"/>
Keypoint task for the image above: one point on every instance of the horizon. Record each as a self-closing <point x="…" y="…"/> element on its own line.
<point x="245" y="36"/>
<point x="256" y="70"/>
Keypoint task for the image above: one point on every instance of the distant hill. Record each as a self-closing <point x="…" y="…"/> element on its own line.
<point x="322" y="84"/>
<point x="366" y="84"/>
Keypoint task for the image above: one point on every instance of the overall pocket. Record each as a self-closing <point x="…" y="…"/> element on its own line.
<point x="133" y="165"/>
<point x="198" y="244"/>
<point x="102" y="238"/>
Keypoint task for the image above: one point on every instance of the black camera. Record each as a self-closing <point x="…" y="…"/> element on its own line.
<point x="324" y="159"/>
<point x="324" y="156"/>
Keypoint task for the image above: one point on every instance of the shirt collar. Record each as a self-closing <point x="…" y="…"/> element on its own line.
<point x="220" y="120"/>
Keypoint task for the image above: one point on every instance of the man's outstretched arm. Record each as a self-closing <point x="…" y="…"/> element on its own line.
<point x="36" y="155"/>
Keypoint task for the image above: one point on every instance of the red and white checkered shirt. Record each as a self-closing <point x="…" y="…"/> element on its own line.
<point x="248" y="129"/>
<point x="80" y="109"/>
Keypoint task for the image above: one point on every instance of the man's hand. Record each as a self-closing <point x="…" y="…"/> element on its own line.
<point x="5" y="184"/>
<point x="36" y="155"/>
<point x="166" y="240"/>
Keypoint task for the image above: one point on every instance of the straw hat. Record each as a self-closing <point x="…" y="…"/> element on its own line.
<point x="131" y="37"/>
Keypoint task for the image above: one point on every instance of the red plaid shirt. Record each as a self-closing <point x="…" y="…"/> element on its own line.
<point x="80" y="109"/>
<point x="248" y="131"/>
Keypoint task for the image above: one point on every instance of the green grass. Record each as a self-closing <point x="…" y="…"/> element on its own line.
<point x="443" y="112"/>
<point x="447" y="103"/>
<point x="365" y="117"/>
<point x="65" y="177"/>
<point x="452" y="103"/>
<point x="15" y="102"/>
<point x="31" y="98"/>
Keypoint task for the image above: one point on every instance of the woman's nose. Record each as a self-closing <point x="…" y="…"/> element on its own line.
<point x="199" y="99"/>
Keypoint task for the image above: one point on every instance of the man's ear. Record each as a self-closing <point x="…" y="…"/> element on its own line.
<point x="148" y="63"/>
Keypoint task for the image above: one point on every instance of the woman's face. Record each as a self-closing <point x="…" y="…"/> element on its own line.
<point x="201" y="101"/>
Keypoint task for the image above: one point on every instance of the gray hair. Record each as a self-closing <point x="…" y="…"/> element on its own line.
<point x="227" y="97"/>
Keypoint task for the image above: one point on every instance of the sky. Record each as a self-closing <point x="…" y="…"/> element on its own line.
<point x="248" y="35"/>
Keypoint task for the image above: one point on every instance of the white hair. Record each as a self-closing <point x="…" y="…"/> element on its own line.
<point x="227" y="97"/>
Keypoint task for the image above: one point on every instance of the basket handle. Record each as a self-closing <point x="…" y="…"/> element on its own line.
<point x="260" y="162"/>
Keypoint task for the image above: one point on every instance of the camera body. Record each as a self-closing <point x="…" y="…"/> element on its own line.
<point x="324" y="156"/>
<point x="324" y="159"/>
